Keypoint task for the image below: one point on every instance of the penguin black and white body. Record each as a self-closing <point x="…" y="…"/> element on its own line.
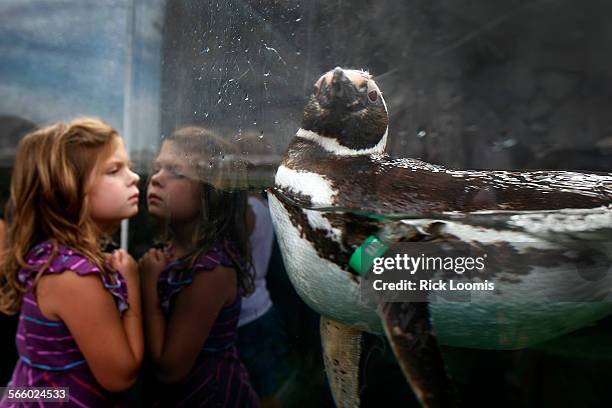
<point x="335" y="176"/>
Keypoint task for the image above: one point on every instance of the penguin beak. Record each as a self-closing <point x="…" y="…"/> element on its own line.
<point x="339" y="92"/>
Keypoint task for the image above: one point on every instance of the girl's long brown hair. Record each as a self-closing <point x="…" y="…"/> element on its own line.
<point x="49" y="198"/>
<point x="223" y="199"/>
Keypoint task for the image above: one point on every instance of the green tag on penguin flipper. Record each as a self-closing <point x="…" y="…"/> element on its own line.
<point x="362" y="259"/>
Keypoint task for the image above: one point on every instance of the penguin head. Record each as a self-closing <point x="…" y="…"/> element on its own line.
<point x="347" y="109"/>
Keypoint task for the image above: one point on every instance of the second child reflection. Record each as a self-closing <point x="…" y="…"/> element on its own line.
<point x="192" y="287"/>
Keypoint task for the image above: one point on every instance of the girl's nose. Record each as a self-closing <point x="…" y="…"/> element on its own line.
<point x="156" y="180"/>
<point x="135" y="177"/>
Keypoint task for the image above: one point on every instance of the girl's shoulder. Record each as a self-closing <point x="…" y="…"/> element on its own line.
<point x="60" y="260"/>
<point x="213" y="256"/>
<point x="67" y="259"/>
<point x="177" y="275"/>
<point x="217" y="254"/>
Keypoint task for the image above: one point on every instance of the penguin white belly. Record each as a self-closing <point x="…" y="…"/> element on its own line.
<point x="325" y="287"/>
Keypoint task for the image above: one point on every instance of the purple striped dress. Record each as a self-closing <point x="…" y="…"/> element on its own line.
<point x="217" y="378"/>
<point x="49" y="355"/>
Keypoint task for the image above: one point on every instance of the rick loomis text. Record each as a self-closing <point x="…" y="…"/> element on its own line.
<point x="434" y="265"/>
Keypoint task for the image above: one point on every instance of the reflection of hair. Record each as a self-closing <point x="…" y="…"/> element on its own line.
<point x="223" y="198"/>
<point x="49" y="197"/>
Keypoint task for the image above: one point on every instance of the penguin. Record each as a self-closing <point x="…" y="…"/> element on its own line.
<point x="336" y="185"/>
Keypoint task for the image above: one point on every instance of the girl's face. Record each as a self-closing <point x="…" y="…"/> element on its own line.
<point x="113" y="193"/>
<point x="172" y="191"/>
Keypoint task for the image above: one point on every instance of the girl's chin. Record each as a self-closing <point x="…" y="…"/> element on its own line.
<point x="128" y="212"/>
<point x="157" y="212"/>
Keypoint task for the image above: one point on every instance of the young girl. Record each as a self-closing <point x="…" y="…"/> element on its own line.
<point x="192" y="288"/>
<point x="71" y="187"/>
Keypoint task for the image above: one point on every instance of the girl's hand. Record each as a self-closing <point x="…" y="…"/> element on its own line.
<point x="123" y="262"/>
<point x="153" y="262"/>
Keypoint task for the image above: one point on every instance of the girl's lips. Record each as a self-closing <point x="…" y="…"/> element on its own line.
<point x="154" y="197"/>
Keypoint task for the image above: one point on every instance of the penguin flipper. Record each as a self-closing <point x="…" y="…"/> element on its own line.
<point x="408" y="327"/>
<point x="341" y="354"/>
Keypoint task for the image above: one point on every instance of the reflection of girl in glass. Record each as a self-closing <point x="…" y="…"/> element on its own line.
<point x="192" y="288"/>
<point x="71" y="187"/>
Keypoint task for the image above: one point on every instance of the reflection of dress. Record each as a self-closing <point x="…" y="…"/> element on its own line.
<point x="48" y="354"/>
<point x="217" y="377"/>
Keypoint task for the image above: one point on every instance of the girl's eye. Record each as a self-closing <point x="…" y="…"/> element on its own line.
<point x="176" y="174"/>
<point x="114" y="170"/>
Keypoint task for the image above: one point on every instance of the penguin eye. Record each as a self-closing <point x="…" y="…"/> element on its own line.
<point x="372" y="91"/>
